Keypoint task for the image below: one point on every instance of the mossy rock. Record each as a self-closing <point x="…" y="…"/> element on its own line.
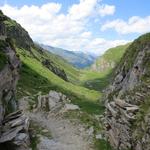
<point x="3" y="60"/>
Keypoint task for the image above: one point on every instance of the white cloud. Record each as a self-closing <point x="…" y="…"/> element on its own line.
<point x="47" y="24"/>
<point x="106" y="10"/>
<point x="100" y="45"/>
<point x="135" y="24"/>
<point x="82" y="10"/>
<point x="86" y="34"/>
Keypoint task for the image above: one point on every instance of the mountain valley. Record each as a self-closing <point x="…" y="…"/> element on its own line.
<point x="72" y="101"/>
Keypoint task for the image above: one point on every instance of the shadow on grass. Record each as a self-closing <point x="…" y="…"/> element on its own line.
<point x="89" y="106"/>
<point x="103" y="145"/>
<point x="31" y="83"/>
<point x="98" y="84"/>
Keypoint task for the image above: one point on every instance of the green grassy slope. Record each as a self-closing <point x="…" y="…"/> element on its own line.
<point x="72" y="72"/>
<point x="95" y="80"/>
<point x="22" y="40"/>
<point x="99" y="75"/>
<point x="35" y="77"/>
<point x="110" y="58"/>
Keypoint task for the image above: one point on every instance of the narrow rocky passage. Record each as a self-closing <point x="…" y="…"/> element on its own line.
<point x="66" y="134"/>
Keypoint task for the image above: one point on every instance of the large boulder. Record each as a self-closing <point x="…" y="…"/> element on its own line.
<point x="52" y="101"/>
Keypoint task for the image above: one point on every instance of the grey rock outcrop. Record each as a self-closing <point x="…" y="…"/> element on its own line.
<point x="127" y="99"/>
<point x="52" y="101"/>
<point x="13" y="124"/>
<point x="55" y="102"/>
<point x="14" y="30"/>
<point x="15" y="130"/>
<point x="8" y="77"/>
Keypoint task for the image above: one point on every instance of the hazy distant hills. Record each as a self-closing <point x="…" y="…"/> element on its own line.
<point x="77" y="59"/>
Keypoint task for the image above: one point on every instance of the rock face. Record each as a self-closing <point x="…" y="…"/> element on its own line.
<point x="8" y="78"/>
<point x="127" y="116"/>
<point x="52" y="101"/>
<point x="13" y="124"/>
<point x="16" y="32"/>
<point x="14" y="131"/>
<point x="55" y="102"/>
<point x="50" y="65"/>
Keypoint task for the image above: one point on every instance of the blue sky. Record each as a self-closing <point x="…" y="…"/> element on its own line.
<point x="82" y="25"/>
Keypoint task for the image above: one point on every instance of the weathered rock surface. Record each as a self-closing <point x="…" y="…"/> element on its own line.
<point x="55" y="102"/>
<point x="127" y="99"/>
<point x="14" y="30"/>
<point x="99" y="136"/>
<point x="13" y="124"/>
<point x="15" y="130"/>
<point x="49" y="101"/>
<point x="71" y="107"/>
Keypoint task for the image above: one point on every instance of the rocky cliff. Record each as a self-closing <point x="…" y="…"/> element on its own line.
<point x="127" y="116"/>
<point x="13" y="124"/>
<point x="14" y="30"/>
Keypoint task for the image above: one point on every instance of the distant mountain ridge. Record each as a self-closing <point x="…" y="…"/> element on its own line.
<point x="77" y="59"/>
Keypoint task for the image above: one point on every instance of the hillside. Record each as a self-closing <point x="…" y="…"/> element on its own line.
<point x="109" y="59"/>
<point x="41" y="73"/>
<point x="128" y="98"/>
<point x="10" y="129"/>
<point x="77" y="59"/>
<point x="58" y="61"/>
<point x="46" y="103"/>
<point x="42" y="70"/>
<point x="98" y="76"/>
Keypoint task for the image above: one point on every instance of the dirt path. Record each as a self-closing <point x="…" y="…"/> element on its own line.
<point x="65" y="134"/>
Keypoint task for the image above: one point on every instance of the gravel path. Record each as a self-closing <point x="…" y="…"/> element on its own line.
<point x="65" y="134"/>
